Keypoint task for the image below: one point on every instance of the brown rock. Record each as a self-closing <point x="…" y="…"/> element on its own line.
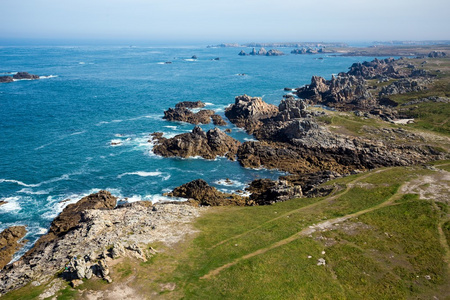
<point x="266" y="191"/>
<point x="186" y="115"/>
<point x="6" y="79"/>
<point x="208" y="145"/>
<point x="9" y="243"/>
<point x="247" y="112"/>
<point x="190" y="104"/>
<point x="204" y="194"/>
<point x="218" y="121"/>
<point x="25" y="75"/>
<point x="70" y="217"/>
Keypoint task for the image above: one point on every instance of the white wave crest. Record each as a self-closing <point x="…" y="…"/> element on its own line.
<point x="31" y="192"/>
<point x="47" y="77"/>
<point x="141" y="173"/>
<point x="11" y="205"/>
<point x="63" y="177"/>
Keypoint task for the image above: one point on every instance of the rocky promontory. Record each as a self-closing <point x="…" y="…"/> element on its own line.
<point x="102" y="233"/>
<point x="208" y="144"/>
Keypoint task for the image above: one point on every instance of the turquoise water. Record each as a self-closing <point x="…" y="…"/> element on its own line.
<point x="56" y="132"/>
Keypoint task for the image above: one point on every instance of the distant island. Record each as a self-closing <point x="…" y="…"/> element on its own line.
<point x="280" y="45"/>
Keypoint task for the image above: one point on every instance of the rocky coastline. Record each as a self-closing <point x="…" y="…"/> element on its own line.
<point x="19" y="76"/>
<point x="292" y="137"/>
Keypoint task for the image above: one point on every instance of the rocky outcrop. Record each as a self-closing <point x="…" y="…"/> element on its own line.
<point x="132" y="228"/>
<point x="183" y="113"/>
<point x="6" y="79"/>
<point x="9" y="245"/>
<point x="266" y="191"/>
<point x="208" y="145"/>
<point x="186" y="115"/>
<point x="405" y="85"/>
<point x="262" y="52"/>
<point x="190" y="104"/>
<point x="247" y="112"/>
<point x="218" y="121"/>
<point x="274" y="52"/>
<point x="200" y="193"/>
<point x="436" y="54"/>
<point x="346" y="92"/>
<point x="378" y="68"/>
<point x="71" y="215"/>
<point x="25" y="75"/>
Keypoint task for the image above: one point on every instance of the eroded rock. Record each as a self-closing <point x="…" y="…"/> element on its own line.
<point x="208" y="145"/>
<point x="9" y="243"/>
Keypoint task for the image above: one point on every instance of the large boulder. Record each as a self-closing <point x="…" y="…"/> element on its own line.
<point x="6" y="79"/>
<point x="25" y="75"/>
<point x="9" y="243"/>
<point x="208" y="145"/>
<point x="346" y="92"/>
<point x="266" y="191"/>
<point x="190" y="104"/>
<point x="246" y="112"/>
<point x="201" y="193"/>
<point x="183" y="114"/>
<point x="274" y="52"/>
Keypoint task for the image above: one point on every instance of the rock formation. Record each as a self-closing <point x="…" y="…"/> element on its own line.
<point x="25" y="75"/>
<point x="190" y="104"/>
<point x="435" y="54"/>
<point x="274" y="52"/>
<point x="346" y="92"/>
<point x="70" y="217"/>
<point x="183" y="113"/>
<point x="208" y="145"/>
<point x="266" y="191"/>
<point x="6" y="79"/>
<point x="405" y="85"/>
<point x="199" y="192"/>
<point x="9" y="243"/>
<point x="246" y="112"/>
<point x="130" y="229"/>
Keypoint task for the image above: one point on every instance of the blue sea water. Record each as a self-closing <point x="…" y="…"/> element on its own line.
<point x="56" y="132"/>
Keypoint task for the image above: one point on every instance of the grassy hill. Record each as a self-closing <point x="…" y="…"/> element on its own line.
<point x="380" y="235"/>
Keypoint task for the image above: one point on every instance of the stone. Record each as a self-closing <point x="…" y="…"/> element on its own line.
<point x="117" y="250"/>
<point x="9" y="243"/>
<point x="436" y="54"/>
<point x="71" y="215"/>
<point x="266" y="191"/>
<point x="186" y="115"/>
<point x="76" y="282"/>
<point x="242" y="53"/>
<point x="274" y="52"/>
<point x="6" y="79"/>
<point x="246" y="112"/>
<point x="204" y="194"/>
<point x="190" y="104"/>
<point x="321" y="262"/>
<point x="218" y="121"/>
<point x="208" y="145"/>
<point x="25" y="75"/>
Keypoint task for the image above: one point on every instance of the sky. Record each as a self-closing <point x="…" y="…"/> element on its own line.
<point x="226" y="21"/>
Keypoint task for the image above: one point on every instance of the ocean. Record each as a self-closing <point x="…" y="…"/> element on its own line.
<point x="57" y="133"/>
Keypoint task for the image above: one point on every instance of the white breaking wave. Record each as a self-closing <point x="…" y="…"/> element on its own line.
<point x="47" y="77"/>
<point x="229" y="182"/>
<point x="31" y="192"/>
<point x="11" y="205"/>
<point x="141" y="173"/>
<point x="63" y="177"/>
<point x="171" y="127"/>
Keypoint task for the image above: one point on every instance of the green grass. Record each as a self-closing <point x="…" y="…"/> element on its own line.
<point x="386" y="252"/>
<point x="358" y="264"/>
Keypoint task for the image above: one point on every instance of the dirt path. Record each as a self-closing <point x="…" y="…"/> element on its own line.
<point x="311" y="229"/>
<point x="331" y="198"/>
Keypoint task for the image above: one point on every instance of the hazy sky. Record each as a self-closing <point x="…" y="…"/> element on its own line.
<point x="227" y="21"/>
